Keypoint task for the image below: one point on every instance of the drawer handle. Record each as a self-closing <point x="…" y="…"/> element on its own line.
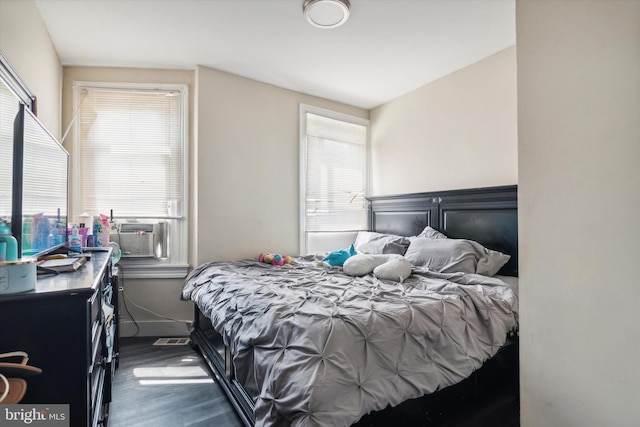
<point x="101" y="363"/>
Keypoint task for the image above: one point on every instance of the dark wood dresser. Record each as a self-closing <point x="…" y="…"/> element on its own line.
<point x="66" y="328"/>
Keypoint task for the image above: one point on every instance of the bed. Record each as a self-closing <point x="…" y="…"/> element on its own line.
<point x="306" y="345"/>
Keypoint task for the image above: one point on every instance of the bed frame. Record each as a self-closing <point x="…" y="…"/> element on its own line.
<point x="486" y="215"/>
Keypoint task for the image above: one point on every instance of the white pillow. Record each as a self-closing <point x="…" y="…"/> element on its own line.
<point x="385" y="267"/>
<point x="397" y="269"/>
<point x="362" y="264"/>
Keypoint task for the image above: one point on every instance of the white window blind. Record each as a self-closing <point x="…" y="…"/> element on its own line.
<point x="336" y="175"/>
<point x="335" y="168"/>
<point x="131" y="151"/>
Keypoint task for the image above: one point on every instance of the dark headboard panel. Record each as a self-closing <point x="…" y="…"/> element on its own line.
<point x="404" y="215"/>
<point x="487" y="215"/>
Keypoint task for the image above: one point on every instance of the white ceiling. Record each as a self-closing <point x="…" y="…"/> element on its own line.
<point x="387" y="47"/>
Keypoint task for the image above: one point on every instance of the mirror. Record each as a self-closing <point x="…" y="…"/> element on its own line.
<point x="33" y="171"/>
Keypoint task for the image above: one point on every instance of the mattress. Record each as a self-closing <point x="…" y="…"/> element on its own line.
<point x="318" y="347"/>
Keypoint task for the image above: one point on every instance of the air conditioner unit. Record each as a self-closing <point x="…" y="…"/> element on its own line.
<point x="140" y="240"/>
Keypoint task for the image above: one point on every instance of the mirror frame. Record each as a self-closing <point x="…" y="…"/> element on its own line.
<point x="11" y="78"/>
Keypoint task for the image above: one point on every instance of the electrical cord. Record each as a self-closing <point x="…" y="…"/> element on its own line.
<point x="124" y="300"/>
<point x="127" y="297"/>
<point x="160" y="316"/>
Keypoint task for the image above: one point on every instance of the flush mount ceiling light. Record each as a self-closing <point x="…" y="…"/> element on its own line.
<point x="326" y="13"/>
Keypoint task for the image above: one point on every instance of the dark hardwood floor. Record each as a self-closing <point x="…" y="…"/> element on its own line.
<point x="171" y="386"/>
<point x="166" y="386"/>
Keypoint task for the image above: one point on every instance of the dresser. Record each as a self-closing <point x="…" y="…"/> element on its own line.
<point x="68" y="326"/>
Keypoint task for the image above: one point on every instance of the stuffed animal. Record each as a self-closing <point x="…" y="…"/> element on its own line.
<point x="275" y="259"/>
<point x="337" y="258"/>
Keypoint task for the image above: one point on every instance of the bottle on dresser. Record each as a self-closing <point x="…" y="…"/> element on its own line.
<point x="75" y="241"/>
<point x="101" y="231"/>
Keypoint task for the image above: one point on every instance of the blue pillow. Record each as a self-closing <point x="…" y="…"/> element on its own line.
<point x="337" y="258"/>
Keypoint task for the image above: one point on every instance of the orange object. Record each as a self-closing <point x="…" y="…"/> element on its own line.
<point x="12" y="390"/>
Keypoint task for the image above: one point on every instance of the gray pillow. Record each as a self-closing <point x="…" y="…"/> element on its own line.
<point x="370" y="242"/>
<point x="455" y="255"/>
<point x="431" y="233"/>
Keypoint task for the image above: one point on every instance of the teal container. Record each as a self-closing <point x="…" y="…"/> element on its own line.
<point x="11" y="251"/>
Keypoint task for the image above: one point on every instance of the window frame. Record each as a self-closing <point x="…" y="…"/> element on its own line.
<point x="331" y="114"/>
<point x="177" y="265"/>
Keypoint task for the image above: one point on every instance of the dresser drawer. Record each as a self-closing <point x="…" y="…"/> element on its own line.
<point x="109" y="375"/>
<point x="97" y="399"/>
<point x="96" y="373"/>
<point x="95" y="309"/>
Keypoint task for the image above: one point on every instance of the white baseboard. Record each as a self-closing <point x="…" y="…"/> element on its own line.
<point x="162" y="328"/>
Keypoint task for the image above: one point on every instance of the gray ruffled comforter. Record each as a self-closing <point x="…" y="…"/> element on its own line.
<point x="321" y="348"/>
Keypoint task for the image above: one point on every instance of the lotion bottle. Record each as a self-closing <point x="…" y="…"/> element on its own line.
<point x="75" y="241"/>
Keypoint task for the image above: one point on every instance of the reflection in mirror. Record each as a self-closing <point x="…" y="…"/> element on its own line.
<point x="9" y="105"/>
<point x="43" y="195"/>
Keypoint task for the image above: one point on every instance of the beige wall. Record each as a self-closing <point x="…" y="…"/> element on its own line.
<point x="25" y="41"/>
<point x="457" y="132"/>
<point x="579" y="193"/>
<point x="247" y="165"/>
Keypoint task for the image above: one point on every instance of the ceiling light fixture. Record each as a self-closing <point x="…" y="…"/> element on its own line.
<point x="326" y="13"/>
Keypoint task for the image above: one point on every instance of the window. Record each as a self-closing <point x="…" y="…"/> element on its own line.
<point x="130" y="153"/>
<point x="334" y="176"/>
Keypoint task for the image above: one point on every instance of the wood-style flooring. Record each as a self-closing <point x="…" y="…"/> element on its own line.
<point x="166" y="386"/>
<point x="171" y="386"/>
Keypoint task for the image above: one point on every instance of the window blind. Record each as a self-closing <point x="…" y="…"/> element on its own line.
<point x="131" y="155"/>
<point x="336" y="175"/>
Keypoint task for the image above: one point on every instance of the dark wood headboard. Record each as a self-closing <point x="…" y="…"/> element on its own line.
<point x="487" y="215"/>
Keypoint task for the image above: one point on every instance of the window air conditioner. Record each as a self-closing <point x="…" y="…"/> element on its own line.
<point x="139" y="240"/>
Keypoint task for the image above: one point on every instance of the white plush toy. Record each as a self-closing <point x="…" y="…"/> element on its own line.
<point x="386" y="267"/>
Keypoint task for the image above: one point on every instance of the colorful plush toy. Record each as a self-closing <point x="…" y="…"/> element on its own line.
<point x="275" y="259"/>
<point x="337" y="258"/>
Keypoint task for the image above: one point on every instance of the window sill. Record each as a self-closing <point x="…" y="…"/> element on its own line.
<point x="132" y="271"/>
